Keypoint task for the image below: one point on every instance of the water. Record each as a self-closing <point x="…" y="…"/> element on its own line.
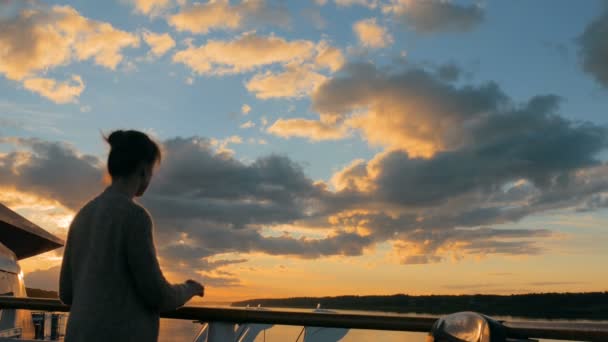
<point x="172" y="330"/>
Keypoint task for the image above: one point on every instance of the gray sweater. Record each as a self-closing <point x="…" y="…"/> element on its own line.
<point x="110" y="275"/>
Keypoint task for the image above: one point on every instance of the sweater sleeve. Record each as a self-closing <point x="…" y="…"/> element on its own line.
<point x="150" y="282"/>
<point x="65" y="275"/>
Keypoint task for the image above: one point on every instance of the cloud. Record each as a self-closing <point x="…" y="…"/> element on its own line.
<point x="365" y="3"/>
<point x="354" y="176"/>
<point x="50" y="170"/>
<point x="449" y="72"/>
<point x="245" y="109"/>
<point x="211" y="201"/>
<point x="311" y="129"/>
<point x="150" y="7"/>
<point x="594" y="48"/>
<point x="372" y="35"/>
<point x="221" y="14"/>
<point x="221" y="145"/>
<point x="41" y="38"/>
<point x="434" y="16"/>
<point x="216" y="204"/>
<point x="485" y="163"/>
<point x="58" y="92"/>
<point x="199" y="176"/>
<point x="43" y="279"/>
<point x="328" y="56"/>
<point x="210" y="240"/>
<point x="248" y="124"/>
<point x="295" y="81"/>
<point x="245" y="53"/>
<point x="410" y="109"/>
<point x="477" y="133"/>
<point x="159" y="43"/>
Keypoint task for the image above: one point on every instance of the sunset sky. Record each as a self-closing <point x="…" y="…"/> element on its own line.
<point x="323" y="147"/>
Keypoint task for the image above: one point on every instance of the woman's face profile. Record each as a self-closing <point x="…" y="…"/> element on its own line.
<point x="145" y="174"/>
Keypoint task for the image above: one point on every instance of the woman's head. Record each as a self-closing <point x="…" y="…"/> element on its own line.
<point x="133" y="156"/>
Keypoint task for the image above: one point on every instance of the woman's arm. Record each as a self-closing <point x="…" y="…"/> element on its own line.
<point x="150" y="282"/>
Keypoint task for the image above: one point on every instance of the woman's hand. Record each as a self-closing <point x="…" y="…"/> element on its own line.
<point x="197" y="287"/>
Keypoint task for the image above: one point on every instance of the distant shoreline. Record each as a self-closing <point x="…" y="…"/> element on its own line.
<point x="590" y="305"/>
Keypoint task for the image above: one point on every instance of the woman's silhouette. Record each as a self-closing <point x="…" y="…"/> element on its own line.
<point x="110" y="275"/>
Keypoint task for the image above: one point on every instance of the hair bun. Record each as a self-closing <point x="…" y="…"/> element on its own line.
<point x="116" y="138"/>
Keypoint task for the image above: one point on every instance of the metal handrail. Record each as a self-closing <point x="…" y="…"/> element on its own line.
<point x="561" y="331"/>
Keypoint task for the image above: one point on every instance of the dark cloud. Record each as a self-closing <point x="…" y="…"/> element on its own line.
<point x="51" y="170"/>
<point x="530" y="143"/>
<point x="434" y="16"/>
<point x="477" y="139"/>
<point x="449" y="72"/>
<point x="594" y="48"/>
<point x="489" y="161"/>
<point x="43" y="279"/>
<point x="195" y="183"/>
<point x="407" y="108"/>
<point x="209" y="239"/>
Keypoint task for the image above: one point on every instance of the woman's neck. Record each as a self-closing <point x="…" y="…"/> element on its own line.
<point x="124" y="186"/>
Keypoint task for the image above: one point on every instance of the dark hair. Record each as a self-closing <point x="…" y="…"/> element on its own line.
<point x="128" y="150"/>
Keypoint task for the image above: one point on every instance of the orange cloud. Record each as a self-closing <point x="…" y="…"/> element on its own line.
<point x="150" y="7"/>
<point x="245" y="109"/>
<point x="200" y="18"/>
<point x="372" y="35"/>
<point x="248" y="124"/>
<point x="58" y="92"/>
<point x="329" y="56"/>
<point x="17" y="200"/>
<point x="245" y="53"/>
<point x="159" y="43"/>
<point x="311" y="129"/>
<point x="39" y="39"/>
<point x="295" y="81"/>
<point x="366" y="3"/>
<point x="220" y="14"/>
<point x="411" y="110"/>
<point x="354" y="176"/>
<point x="412" y="133"/>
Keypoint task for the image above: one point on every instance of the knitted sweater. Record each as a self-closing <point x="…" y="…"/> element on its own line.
<point x="110" y="275"/>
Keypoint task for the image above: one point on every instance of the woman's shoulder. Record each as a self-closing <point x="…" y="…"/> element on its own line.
<point x="140" y="213"/>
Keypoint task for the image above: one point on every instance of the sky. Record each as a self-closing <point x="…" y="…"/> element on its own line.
<point x="323" y="147"/>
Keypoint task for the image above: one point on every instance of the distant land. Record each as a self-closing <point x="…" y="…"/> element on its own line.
<point x="38" y="293"/>
<point x="590" y="305"/>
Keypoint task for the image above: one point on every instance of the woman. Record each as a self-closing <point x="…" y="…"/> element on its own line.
<point x="110" y="275"/>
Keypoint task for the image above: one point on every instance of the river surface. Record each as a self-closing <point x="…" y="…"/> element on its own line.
<point x="172" y="330"/>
